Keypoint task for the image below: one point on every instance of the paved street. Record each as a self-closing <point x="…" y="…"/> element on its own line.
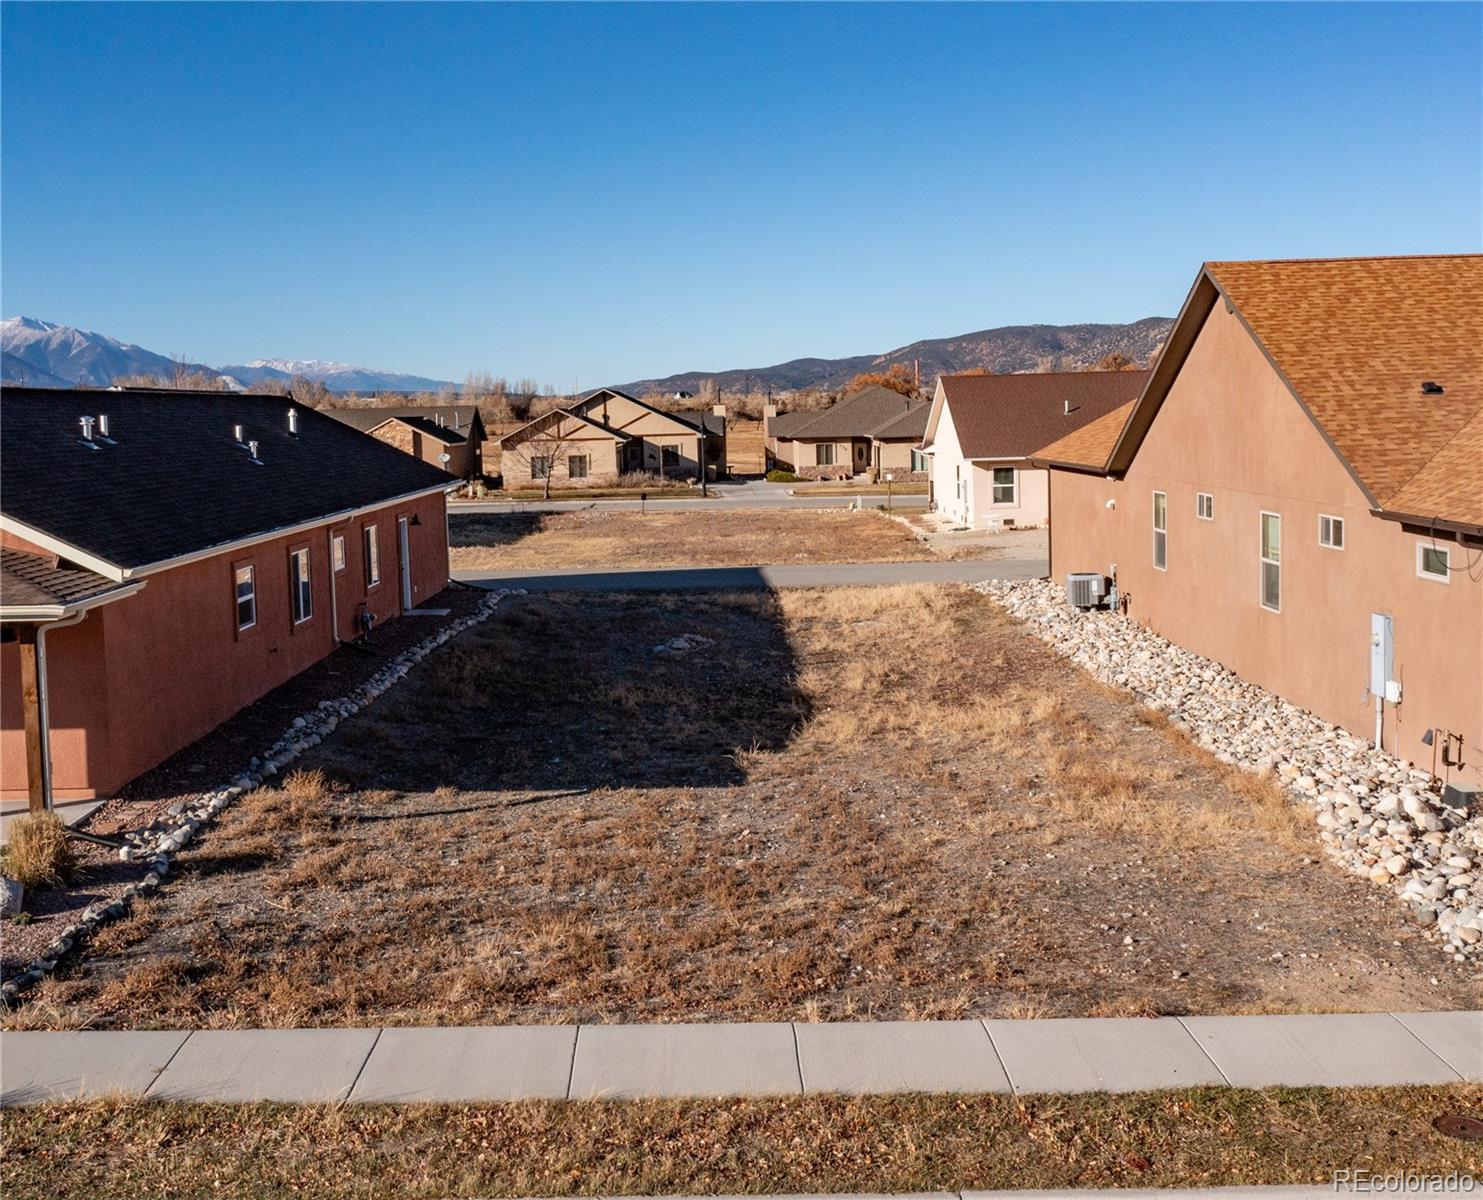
<point x="751" y="494"/>
<point x="756" y="1059"/>
<point x="773" y="576"/>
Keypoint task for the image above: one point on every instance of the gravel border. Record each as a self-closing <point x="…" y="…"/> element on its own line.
<point x="156" y="843"/>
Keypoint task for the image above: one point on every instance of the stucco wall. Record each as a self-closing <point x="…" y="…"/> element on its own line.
<point x="141" y="678"/>
<point x="462" y="462"/>
<point x="1231" y="428"/>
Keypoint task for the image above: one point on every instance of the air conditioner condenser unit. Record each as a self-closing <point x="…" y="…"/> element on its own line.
<point x="1086" y="589"/>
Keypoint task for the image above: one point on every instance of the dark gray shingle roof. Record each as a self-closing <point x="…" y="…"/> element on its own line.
<point x="174" y="481"/>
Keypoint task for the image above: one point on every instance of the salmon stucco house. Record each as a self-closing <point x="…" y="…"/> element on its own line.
<point x="983" y="428"/>
<point x="166" y="558"/>
<point x="1298" y="493"/>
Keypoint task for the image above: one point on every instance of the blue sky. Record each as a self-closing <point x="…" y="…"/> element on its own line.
<point x="589" y="194"/>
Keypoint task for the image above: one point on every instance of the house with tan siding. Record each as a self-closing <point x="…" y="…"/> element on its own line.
<point x="982" y="429"/>
<point x="1297" y="492"/>
<point x="871" y="433"/>
<point x="450" y="437"/>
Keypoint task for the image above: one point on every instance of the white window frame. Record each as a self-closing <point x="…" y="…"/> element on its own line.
<point x="301" y="586"/>
<point x="1333" y="523"/>
<point x="919" y="461"/>
<point x="1261" y="550"/>
<point x="995" y="485"/>
<point x="251" y="572"/>
<point x="371" y="544"/>
<point x="1444" y="551"/>
<point x="337" y="552"/>
<point x="1205" y="506"/>
<point x="1160" y="550"/>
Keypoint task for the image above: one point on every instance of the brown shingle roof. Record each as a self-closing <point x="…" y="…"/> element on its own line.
<point x="1451" y="484"/>
<point x="1014" y="416"/>
<point x="910" y="424"/>
<point x="1355" y="339"/>
<point x="1091" y="445"/>
<point x="38" y="581"/>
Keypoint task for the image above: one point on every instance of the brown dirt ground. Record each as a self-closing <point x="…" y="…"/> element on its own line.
<point x="517" y="541"/>
<point x="857" y="803"/>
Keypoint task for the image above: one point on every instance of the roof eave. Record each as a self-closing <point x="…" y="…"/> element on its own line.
<point x="40" y="613"/>
<point x="1466" y="528"/>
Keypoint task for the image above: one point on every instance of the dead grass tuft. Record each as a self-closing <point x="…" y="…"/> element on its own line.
<point x="38" y="853"/>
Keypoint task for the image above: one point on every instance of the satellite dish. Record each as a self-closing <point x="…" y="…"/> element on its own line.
<point x="445" y="457"/>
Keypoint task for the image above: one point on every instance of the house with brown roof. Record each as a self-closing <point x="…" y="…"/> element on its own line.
<point x="872" y="432"/>
<point x="982" y="429"/>
<point x="609" y="433"/>
<point x="168" y="557"/>
<point x="451" y="437"/>
<point x="1298" y="492"/>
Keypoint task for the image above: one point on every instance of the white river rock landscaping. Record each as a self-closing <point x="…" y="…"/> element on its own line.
<point x="1378" y="816"/>
<point x="157" y="842"/>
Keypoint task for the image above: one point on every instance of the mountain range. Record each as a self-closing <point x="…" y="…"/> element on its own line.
<point x="44" y="354"/>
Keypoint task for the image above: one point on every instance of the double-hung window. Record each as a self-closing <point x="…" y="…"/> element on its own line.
<point x="1004" y="485"/>
<point x="1161" y="531"/>
<point x="1272" y="561"/>
<point x="337" y="551"/>
<point x="301" y="593"/>
<point x="246" y="581"/>
<point x="823" y="454"/>
<point x="1331" y="532"/>
<point x="1205" y="506"/>
<point x="373" y="557"/>
<point x="918" y="461"/>
<point x="576" y="466"/>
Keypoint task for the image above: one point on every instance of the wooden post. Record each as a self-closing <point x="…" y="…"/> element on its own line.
<point x="31" y="710"/>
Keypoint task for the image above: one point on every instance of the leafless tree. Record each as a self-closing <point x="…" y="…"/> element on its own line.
<point x="549" y="446"/>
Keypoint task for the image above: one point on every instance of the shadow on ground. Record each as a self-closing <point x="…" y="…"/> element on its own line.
<point x="492" y="529"/>
<point x="558" y="694"/>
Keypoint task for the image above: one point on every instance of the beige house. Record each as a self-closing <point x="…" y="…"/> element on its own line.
<point x="427" y="431"/>
<point x="982" y="429"/>
<point x="873" y="432"/>
<point x="1298" y="492"/>
<point x="608" y="434"/>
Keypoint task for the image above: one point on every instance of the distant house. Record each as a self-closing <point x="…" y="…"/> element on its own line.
<point x="983" y="429"/>
<point x="168" y="557"/>
<point x="1298" y="492"/>
<point x="871" y="432"/>
<point x="609" y="433"/>
<point x="427" y="432"/>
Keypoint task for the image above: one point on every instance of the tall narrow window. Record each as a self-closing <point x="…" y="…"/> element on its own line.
<point x="246" y="598"/>
<point x="1272" y="561"/>
<point x="1205" y="506"/>
<point x="1004" y="485"/>
<point x="337" y="551"/>
<point x="918" y="461"/>
<point x="301" y="594"/>
<point x="1331" y="532"/>
<point x="373" y="557"/>
<point x="1161" y="531"/>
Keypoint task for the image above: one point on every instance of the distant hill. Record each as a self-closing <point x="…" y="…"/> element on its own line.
<point x="1009" y="348"/>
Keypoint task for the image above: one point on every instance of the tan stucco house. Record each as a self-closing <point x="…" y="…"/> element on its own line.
<point x="1298" y="491"/>
<point x="609" y="433"/>
<point x="982" y="429"/>
<point x="873" y="432"/>
<point x="429" y="432"/>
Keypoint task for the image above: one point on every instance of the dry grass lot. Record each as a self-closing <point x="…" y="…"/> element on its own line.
<point x="546" y="541"/>
<point x="895" y="1144"/>
<point x="857" y="803"/>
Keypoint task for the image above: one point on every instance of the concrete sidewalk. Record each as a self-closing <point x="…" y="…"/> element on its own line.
<point x="771" y="577"/>
<point x="556" y="1062"/>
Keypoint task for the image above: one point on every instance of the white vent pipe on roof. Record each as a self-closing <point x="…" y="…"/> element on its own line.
<point x="87" y="428"/>
<point x="1065" y="408"/>
<point x="103" y="425"/>
<point x="252" y="449"/>
<point x="236" y="433"/>
<point x="293" y="421"/>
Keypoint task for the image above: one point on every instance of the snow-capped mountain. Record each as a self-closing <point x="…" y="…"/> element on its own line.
<point x="337" y="376"/>
<point x="45" y="354"/>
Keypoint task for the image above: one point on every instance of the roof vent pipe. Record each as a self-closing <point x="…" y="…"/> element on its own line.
<point x="103" y="425"/>
<point x="293" y="422"/>
<point x="87" y="428"/>
<point x="252" y="450"/>
<point x="237" y="433"/>
<point x="1065" y="408"/>
<point x="1432" y="388"/>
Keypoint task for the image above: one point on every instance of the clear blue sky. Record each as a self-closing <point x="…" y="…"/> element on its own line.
<point x="592" y="194"/>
